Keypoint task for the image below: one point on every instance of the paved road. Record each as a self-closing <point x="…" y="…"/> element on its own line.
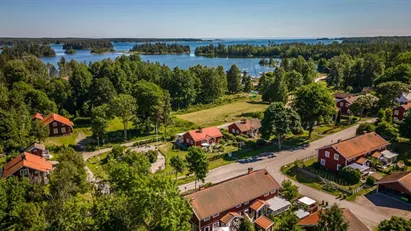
<point x="273" y="165"/>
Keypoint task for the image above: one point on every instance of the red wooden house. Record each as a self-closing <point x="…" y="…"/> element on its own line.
<point x="59" y="125"/>
<point x="225" y="204"/>
<point x="351" y="151"/>
<point x="398" y="113"/>
<point x="398" y="181"/>
<point x="245" y="127"/>
<point x="343" y="105"/>
<point x="202" y="136"/>
<point x="28" y="165"/>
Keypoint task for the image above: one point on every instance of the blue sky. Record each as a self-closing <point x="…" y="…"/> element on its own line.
<point x="204" y="19"/>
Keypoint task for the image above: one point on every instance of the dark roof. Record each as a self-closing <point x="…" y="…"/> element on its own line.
<point x="342" y="95"/>
<point x="228" y="194"/>
<point x="403" y="178"/>
<point x="248" y="125"/>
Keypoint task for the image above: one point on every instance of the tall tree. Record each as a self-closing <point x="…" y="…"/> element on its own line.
<point x="294" y="80"/>
<point x="166" y="118"/>
<point x="248" y="84"/>
<point x="101" y="91"/>
<point x="395" y="223"/>
<point x="405" y="126"/>
<point x="332" y="220"/>
<point x="181" y="88"/>
<point x="80" y="82"/>
<point x="247" y="225"/>
<point x="39" y="131"/>
<point x="388" y="92"/>
<point x="100" y="117"/>
<point x="125" y="108"/>
<point x="363" y="103"/>
<point x="234" y="79"/>
<point x="197" y="163"/>
<point x="178" y="164"/>
<point x="289" y="191"/>
<point x="287" y="221"/>
<point x="314" y="103"/>
<point x="277" y="91"/>
<point x="339" y="67"/>
<point x="279" y="121"/>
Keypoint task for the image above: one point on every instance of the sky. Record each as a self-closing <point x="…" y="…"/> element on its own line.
<point x="204" y="18"/>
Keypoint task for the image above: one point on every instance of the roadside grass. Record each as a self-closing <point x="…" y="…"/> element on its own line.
<point x="354" y="196"/>
<point x="68" y="139"/>
<point x="225" y="113"/>
<point x="97" y="165"/>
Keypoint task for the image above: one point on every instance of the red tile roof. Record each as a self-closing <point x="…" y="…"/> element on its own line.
<point x="403" y="178"/>
<point x="309" y="220"/>
<point x="351" y="99"/>
<point x="248" y="125"/>
<point x="376" y="154"/>
<point x="258" y="204"/>
<point x="226" y="219"/>
<point x="205" y="133"/>
<point x="362" y="160"/>
<point x="228" y="194"/>
<point x="37" y="116"/>
<point x="264" y="222"/>
<point x="27" y="160"/>
<point x="342" y="95"/>
<point x="406" y="106"/>
<point x="360" y="145"/>
<point x="56" y="117"/>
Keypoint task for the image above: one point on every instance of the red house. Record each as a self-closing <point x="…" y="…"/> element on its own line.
<point x="351" y="152"/>
<point x="28" y="165"/>
<point x="199" y="137"/>
<point x="59" y="125"/>
<point x="398" y="113"/>
<point x="225" y="204"/>
<point x="398" y="181"/>
<point x="245" y="127"/>
<point x="344" y="104"/>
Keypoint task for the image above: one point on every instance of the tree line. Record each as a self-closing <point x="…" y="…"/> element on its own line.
<point x="87" y="44"/>
<point x="160" y="48"/>
<point x="20" y="50"/>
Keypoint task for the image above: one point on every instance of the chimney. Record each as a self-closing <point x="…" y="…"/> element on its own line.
<point x="23" y="156"/>
<point x="200" y="129"/>
<point x="244" y="121"/>
<point x="250" y="170"/>
<point x="364" y="132"/>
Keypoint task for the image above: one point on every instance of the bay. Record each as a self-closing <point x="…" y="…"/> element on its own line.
<point x="183" y="61"/>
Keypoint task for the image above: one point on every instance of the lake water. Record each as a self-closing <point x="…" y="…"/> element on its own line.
<point x="183" y="61"/>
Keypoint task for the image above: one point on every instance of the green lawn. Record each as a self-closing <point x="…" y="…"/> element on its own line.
<point x="224" y="114"/>
<point x="68" y="139"/>
<point x="97" y="165"/>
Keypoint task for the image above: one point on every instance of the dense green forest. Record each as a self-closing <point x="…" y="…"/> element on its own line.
<point x="160" y="48"/>
<point x="380" y="39"/>
<point x="98" y="50"/>
<point x="87" y="44"/>
<point x="70" y="51"/>
<point x="19" y="50"/>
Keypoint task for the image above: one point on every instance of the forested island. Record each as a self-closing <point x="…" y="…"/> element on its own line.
<point x="70" y="51"/>
<point x="22" y="49"/>
<point x="88" y="44"/>
<point x="160" y="48"/>
<point x="100" y="50"/>
<point x="268" y="62"/>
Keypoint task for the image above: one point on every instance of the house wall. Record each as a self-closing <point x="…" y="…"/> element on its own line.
<point x="395" y="186"/>
<point x="343" y="105"/>
<point x="191" y="142"/>
<point x="239" y="210"/>
<point x="57" y="127"/>
<point x="234" y="126"/>
<point x="401" y="114"/>
<point x="37" y="152"/>
<point x="34" y="175"/>
<point x="330" y="162"/>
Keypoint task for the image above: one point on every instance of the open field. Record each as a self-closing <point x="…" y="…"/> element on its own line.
<point x="223" y="114"/>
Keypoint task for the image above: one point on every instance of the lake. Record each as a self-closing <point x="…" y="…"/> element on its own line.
<point x="183" y="61"/>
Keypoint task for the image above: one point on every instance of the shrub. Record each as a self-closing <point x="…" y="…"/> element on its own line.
<point x="369" y="127"/>
<point x="408" y="162"/>
<point x="222" y="142"/>
<point x="371" y="180"/>
<point x="228" y="135"/>
<point x="261" y="142"/>
<point x="152" y="155"/>
<point x="329" y="187"/>
<point x="257" y="114"/>
<point x="351" y="175"/>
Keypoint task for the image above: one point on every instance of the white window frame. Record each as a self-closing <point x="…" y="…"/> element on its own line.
<point x="322" y="161"/>
<point x="396" y="112"/>
<point x="338" y="167"/>
<point x="266" y="194"/>
<point x="336" y="156"/>
<point x="187" y="140"/>
<point x="272" y="192"/>
<point x="216" y="225"/>
<point x="63" y="130"/>
<point x="233" y="130"/>
<point x="327" y="154"/>
<point x="246" y="203"/>
<point x="24" y="172"/>
<point x="216" y="215"/>
<point x="347" y="105"/>
<point x="191" y="141"/>
<point x="207" y="219"/>
<point x="238" y="206"/>
<point x="54" y="124"/>
<point x="55" y="131"/>
<point x="207" y="228"/>
<point x="238" y="131"/>
<point x="341" y="104"/>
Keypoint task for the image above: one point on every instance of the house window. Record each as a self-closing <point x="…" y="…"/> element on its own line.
<point x="215" y="225"/>
<point x="342" y="104"/>
<point x="348" y="111"/>
<point x="322" y="162"/>
<point x="24" y="172"/>
<point x="327" y="154"/>
<point x="266" y="194"/>
<point x="272" y="192"/>
<point x="63" y="130"/>
<point x="346" y="105"/>
<point x="216" y="215"/>
<point x="188" y="140"/>
<point x="338" y="167"/>
<point x="246" y="203"/>
<point x="54" y="124"/>
<point x="336" y="157"/>
<point x="396" y="112"/>
<point x="55" y="131"/>
<point x="207" y="228"/>
<point x="191" y="141"/>
<point x="238" y="131"/>
<point x="238" y="206"/>
<point x="233" y="130"/>
<point x="207" y="218"/>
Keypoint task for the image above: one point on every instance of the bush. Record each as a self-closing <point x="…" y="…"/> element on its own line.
<point x="228" y="135"/>
<point x="261" y="142"/>
<point x="407" y="162"/>
<point x="329" y="187"/>
<point x="257" y="114"/>
<point x="152" y="155"/>
<point x="369" y="127"/>
<point x="351" y="175"/>
<point x="222" y="142"/>
<point x="371" y="180"/>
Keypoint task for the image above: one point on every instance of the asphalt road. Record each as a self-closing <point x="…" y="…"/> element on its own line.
<point x="370" y="216"/>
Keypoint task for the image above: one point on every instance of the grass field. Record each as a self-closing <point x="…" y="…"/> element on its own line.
<point x="223" y="114"/>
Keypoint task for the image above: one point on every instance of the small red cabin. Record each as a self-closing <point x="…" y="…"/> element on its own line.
<point x="210" y="135"/>
<point x="398" y="113"/>
<point x="59" y="125"/>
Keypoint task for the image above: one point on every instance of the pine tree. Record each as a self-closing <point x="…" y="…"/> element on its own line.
<point x="234" y="79"/>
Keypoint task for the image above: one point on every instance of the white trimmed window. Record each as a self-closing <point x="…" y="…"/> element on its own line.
<point x="207" y="219"/>
<point x="55" y="130"/>
<point x="238" y="206"/>
<point x="191" y="141"/>
<point x="215" y="225"/>
<point x="341" y="104"/>
<point x="338" y="167"/>
<point x="238" y="131"/>
<point x="216" y="215"/>
<point x="272" y="192"/>
<point x="24" y="172"/>
<point x="233" y="130"/>
<point x="63" y="130"/>
<point x="322" y="162"/>
<point x="188" y="140"/>
<point x="327" y="154"/>
<point x="266" y="194"/>
<point x="54" y="124"/>
<point x="396" y="112"/>
<point x="347" y="105"/>
<point x="336" y="157"/>
<point x="207" y="228"/>
<point x="246" y="203"/>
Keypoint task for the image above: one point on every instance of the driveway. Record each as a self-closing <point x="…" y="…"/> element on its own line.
<point x="369" y="215"/>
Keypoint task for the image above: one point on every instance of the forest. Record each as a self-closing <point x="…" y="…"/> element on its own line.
<point x="20" y="50"/>
<point x="160" y="48"/>
<point x="87" y="44"/>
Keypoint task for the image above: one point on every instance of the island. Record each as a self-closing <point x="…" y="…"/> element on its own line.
<point x="268" y="62"/>
<point x="160" y="48"/>
<point x="100" y="50"/>
<point x="70" y="51"/>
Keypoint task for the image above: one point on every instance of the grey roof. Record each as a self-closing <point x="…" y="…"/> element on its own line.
<point x="277" y="203"/>
<point x="362" y="168"/>
<point x="301" y="213"/>
<point x="35" y="145"/>
<point x="388" y="154"/>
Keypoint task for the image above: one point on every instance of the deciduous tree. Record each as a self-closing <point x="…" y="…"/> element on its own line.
<point x="197" y="163"/>
<point x="332" y="219"/>
<point x="289" y="191"/>
<point x="178" y="164"/>
<point x="124" y="107"/>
